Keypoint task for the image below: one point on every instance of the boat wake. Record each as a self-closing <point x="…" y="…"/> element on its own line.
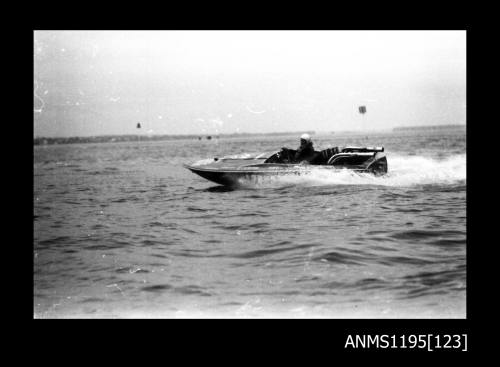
<point x="404" y="171"/>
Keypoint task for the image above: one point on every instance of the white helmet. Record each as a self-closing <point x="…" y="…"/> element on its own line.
<point x="305" y="137"/>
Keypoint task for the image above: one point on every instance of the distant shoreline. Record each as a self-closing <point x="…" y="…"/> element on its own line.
<point x="430" y="127"/>
<point x="137" y="137"/>
<point x="203" y="137"/>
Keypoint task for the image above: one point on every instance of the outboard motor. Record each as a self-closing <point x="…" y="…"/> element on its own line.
<point x="379" y="165"/>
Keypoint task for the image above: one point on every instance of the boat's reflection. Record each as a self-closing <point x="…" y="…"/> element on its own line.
<point x="219" y="188"/>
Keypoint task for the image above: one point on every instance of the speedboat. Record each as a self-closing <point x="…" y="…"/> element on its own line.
<point x="236" y="170"/>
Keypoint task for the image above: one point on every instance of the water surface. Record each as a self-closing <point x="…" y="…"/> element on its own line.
<point x="123" y="230"/>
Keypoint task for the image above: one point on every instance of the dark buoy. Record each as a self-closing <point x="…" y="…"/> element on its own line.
<point x="138" y="125"/>
<point x="362" y="109"/>
<point x="209" y="137"/>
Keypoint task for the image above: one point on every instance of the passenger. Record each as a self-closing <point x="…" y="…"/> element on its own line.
<point x="305" y="153"/>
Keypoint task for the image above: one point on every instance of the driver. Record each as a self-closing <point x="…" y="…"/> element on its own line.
<point x="306" y="151"/>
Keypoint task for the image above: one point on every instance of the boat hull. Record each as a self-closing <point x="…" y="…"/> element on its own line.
<point x="239" y="171"/>
<point x="240" y="177"/>
<point x="231" y="178"/>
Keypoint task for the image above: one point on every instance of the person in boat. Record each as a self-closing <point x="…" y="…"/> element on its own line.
<point x="305" y="153"/>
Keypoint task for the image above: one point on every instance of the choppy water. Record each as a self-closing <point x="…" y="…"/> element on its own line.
<point x="123" y="230"/>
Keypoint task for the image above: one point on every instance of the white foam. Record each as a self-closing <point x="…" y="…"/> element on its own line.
<point x="403" y="171"/>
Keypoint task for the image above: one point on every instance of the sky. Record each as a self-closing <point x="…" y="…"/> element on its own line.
<point x="89" y="83"/>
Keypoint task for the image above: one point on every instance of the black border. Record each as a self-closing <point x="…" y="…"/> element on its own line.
<point x="332" y="333"/>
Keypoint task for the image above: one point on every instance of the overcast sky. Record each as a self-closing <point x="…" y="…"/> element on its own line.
<point x="209" y="82"/>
